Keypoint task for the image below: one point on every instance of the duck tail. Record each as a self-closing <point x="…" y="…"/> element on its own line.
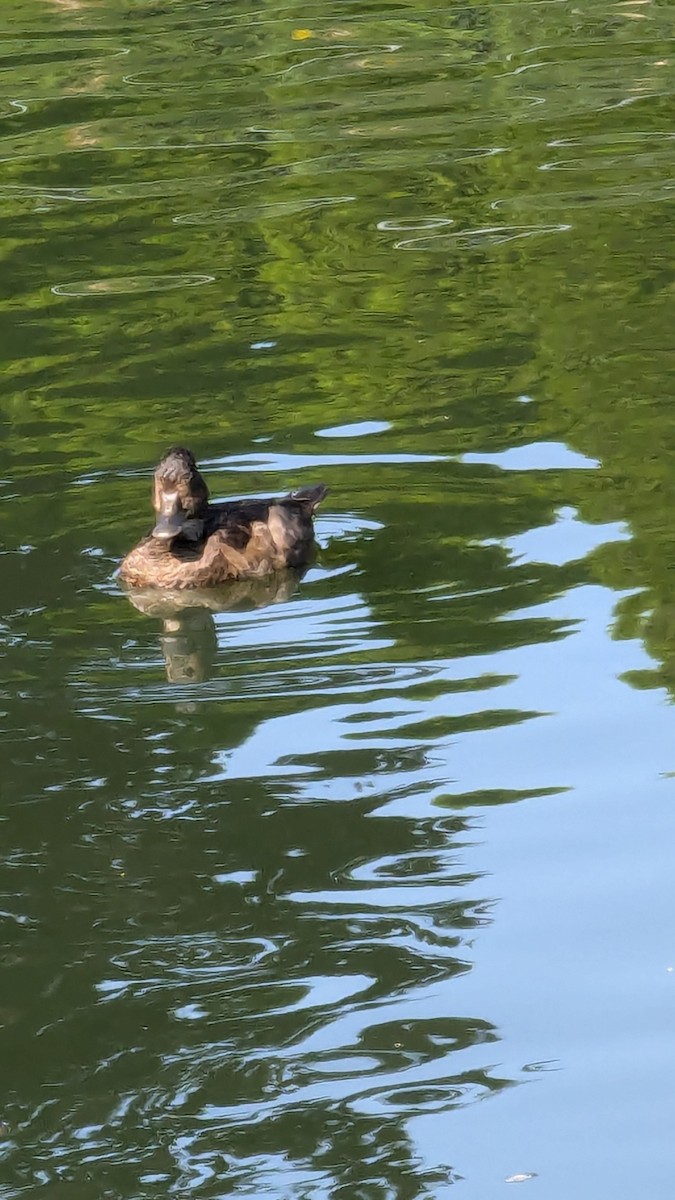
<point x="311" y="496"/>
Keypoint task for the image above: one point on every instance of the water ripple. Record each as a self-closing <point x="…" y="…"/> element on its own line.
<point x="130" y="285"/>
<point x="491" y="235"/>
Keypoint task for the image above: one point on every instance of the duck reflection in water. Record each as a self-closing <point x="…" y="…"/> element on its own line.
<point x="188" y="640"/>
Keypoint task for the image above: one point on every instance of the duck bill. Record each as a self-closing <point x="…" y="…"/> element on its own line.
<point x="167" y="528"/>
<point x="170" y="520"/>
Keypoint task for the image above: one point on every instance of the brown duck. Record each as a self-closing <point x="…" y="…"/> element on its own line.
<point x="196" y="544"/>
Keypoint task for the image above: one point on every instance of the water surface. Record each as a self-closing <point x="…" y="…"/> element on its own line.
<point x="293" y="883"/>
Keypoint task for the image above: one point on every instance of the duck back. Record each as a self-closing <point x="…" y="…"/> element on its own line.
<point x="242" y="539"/>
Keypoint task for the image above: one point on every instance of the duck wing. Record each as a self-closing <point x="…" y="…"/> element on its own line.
<point x="269" y="534"/>
<point x="235" y="518"/>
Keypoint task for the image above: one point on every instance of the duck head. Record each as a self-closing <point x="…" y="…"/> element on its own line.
<point x="179" y="497"/>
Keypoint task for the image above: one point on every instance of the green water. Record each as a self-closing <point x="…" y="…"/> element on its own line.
<point x="290" y="887"/>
